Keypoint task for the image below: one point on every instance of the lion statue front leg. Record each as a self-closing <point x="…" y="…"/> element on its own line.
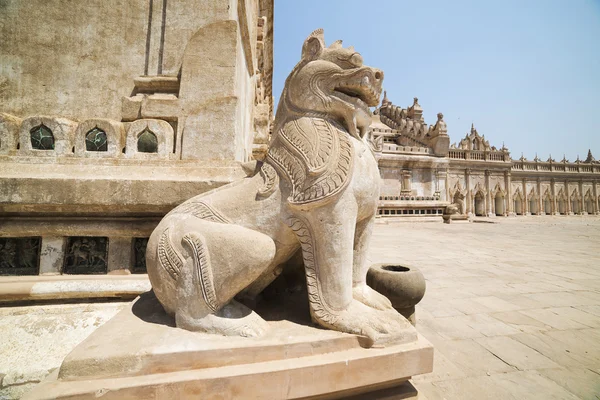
<point x="360" y="290"/>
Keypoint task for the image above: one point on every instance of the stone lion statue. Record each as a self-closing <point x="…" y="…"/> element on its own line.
<point x="451" y="209"/>
<point x="316" y="191"/>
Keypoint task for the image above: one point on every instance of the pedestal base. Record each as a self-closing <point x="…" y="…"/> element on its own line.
<point x="456" y="218"/>
<point x="139" y="354"/>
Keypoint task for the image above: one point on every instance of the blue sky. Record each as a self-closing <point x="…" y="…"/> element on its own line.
<point x="526" y="73"/>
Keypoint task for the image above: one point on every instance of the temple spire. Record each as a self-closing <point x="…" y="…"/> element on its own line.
<point x="385" y="98"/>
<point x="590" y="157"/>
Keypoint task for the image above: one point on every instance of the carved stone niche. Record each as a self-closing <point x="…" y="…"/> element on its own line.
<point x="9" y="133"/>
<point x="406" y="182"/>
<point x="99" y="138"/>
<point x="46" y="136"/>
<point x="149" y="139"/>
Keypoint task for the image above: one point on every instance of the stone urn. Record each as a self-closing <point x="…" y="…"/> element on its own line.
<point x="404" y="286"/>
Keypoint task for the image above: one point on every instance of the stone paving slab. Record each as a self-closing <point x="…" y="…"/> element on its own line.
<point x="512" y="308"/>
<point x="35" y="339"/>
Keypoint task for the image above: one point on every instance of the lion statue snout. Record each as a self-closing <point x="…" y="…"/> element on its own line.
<point x="333" y="81"/>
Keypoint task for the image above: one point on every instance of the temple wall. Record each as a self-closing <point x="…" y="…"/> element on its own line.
<point x="70" y="58"/>
<point x="183" y="74"/>
<point x="78" y="60"/>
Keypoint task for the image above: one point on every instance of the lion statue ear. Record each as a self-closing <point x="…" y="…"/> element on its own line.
<point x="313" y="45"/>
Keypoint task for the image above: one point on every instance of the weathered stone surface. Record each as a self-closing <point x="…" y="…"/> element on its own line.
<point x="63" y="131"/>
<point x="480" y="283"/>
<point x="35" y="340"/>
<point x="139" y="354"/>
<point x="58" y="287"/>
<point x="52" y="254"/>
<point x="115" y="138"/>
<point x="9" y="133"/>
<point x="316" y="192"/>
<point x="163" y="134"/>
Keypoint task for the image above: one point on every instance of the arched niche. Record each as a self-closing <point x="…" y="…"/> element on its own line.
<point x="94" y="129"/>
<point x="62" y="130"/>
<point x="41" y="138"/>
<point x="479" y="203"/>
<point x="147" y="142"/>
<point x="561" y="202"/>
<point x="547" y="203"/>
<point x="574" y="199"/>
<point x="146" y="129"/>
<point x="532" y="198"/>
<point x="588" y="202"/>
<point x="499" y="203"/>
<point x="518" y="203"/>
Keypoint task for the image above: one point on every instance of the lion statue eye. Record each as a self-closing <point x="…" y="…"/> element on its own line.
<point x="356" y="59"/>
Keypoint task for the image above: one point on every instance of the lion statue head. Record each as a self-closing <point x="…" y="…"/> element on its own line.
<point x="331" y="81"/>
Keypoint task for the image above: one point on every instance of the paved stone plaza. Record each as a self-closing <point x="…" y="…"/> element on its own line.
<point x="512" y="308"/>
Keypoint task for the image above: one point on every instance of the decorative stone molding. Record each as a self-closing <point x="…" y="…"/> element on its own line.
<point x="164" y="137"/>
<point x="9" y="133"/>
<point x="115" y="138"/>
<point x="63" y="131"/>
<point x="406" y="182"/>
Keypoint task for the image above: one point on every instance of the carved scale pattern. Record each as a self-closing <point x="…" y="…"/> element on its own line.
<point x="318" y="307"/>
<point x="203" y="269"/>
<point x="200" y="210"/>
<point x="167" y="256"/>
<point x="315" y="157"/>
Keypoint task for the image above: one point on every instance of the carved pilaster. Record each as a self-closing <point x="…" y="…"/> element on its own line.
<point x="406" y="182"/>
<point x="540" y="207"/>
<point x="525" y="198"/>
<point x="469" y="208"/>
<point x="447" y="178"/>
<point x="567" y="189"/>
<point x="554" y="200"/>
<point x="510" y="207"/>
<point x="489" y="209"/>
<point x="595" y="191"/>
<point x="582" y="210"/>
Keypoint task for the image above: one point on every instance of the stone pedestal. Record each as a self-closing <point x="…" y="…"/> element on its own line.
<point x="139" y="354"/>
<point x="456" y="218"/>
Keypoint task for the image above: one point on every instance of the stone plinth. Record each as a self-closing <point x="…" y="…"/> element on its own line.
<point x="140" y="354"/>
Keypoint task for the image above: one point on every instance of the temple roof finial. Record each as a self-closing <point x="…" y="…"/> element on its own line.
<point x="590" y="157"/>
<point x="385" y="98"/>
<point x="473" y="130"/>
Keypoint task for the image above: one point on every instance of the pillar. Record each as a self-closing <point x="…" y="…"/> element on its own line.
<point x="554" y="200"/>
<point x="52" y="255"/>
<point x="540" y="201"/>
<point x="525" y="199"/>
<point x="447" y="186"/>
<point x="582" y="210"/>
<point x="469" y="200"/>
<point x="510" y="207"/>
<point x="490" y="205"/>
<point x="595" y="191"/>
<point x="569" y="211"/>
<point x="119" y="255"/>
